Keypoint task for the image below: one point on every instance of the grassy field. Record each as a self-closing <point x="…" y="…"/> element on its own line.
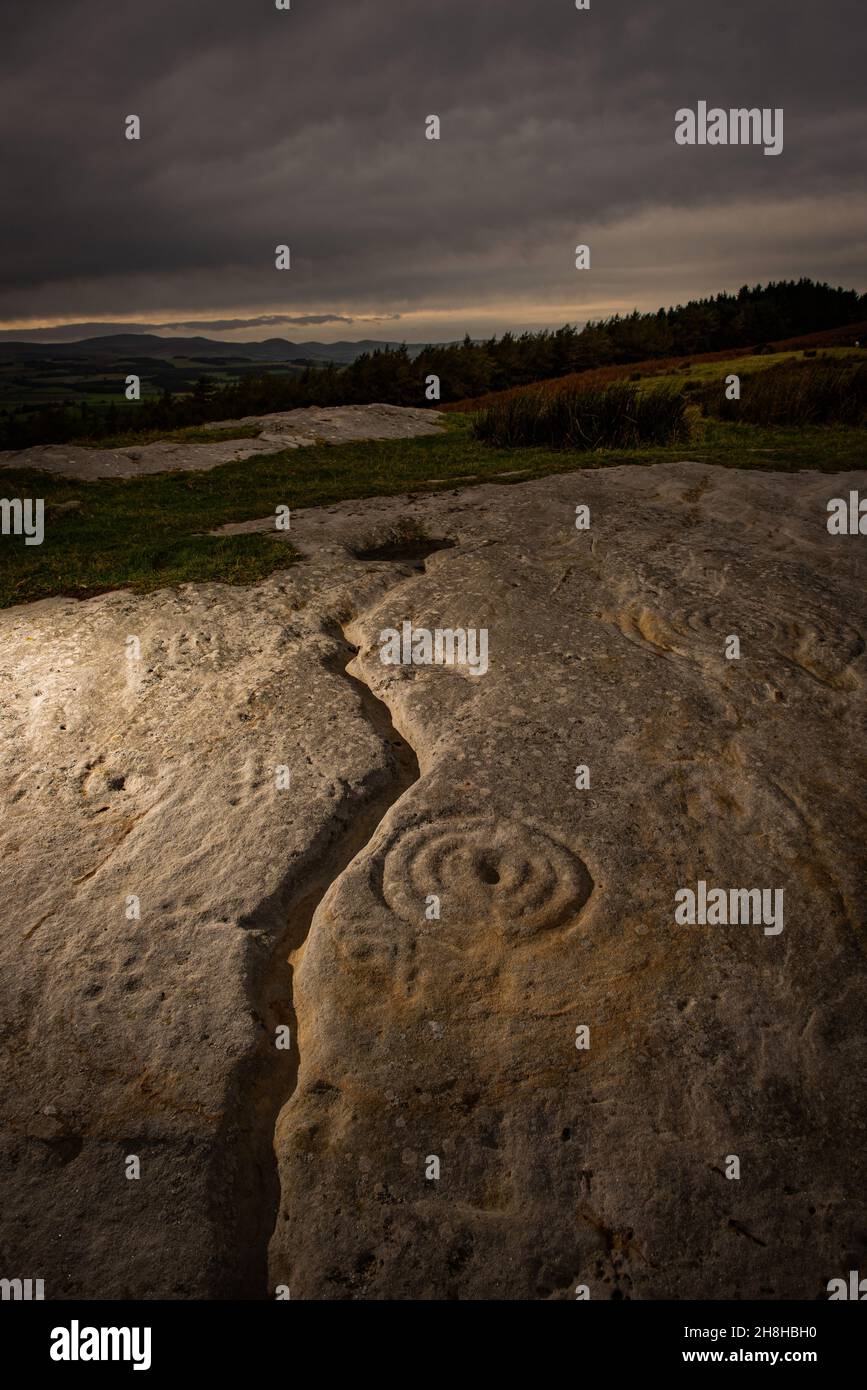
<point x="692" y="373"/>
<point x="701" y="373"/>
<point x="31" y="384"/>
<point x="149" y="532"/>
<point x="655" y="410"/>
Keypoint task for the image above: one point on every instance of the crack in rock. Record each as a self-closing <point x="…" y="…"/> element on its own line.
<point x="246" y="1162"/>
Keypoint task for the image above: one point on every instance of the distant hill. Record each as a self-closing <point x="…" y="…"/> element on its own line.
<point x="123" y="345"/>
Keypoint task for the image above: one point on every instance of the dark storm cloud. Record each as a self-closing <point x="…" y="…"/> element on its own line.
<point x="307" y="127"/>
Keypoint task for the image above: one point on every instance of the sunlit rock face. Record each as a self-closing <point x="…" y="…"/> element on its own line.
<point x="509" y="1071"/>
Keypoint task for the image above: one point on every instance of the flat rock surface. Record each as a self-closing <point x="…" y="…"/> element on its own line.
<point x="146" y="744"/>
<point x="287" y="429"/>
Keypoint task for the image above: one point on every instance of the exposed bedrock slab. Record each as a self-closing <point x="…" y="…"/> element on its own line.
<point x="416" y="1038"/>
<point x="157" y="777"/>
<point x="285" y="429"/>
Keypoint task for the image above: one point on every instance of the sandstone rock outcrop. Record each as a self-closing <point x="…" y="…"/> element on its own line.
<point x="285" y="429"/>
<point x="452" y="1037"/>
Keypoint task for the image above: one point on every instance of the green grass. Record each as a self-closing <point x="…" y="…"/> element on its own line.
<point x="149" y="532"/>
<point x="709" y="373"/>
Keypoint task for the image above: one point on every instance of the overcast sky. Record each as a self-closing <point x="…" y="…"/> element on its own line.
<point x="307" y="127"/>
